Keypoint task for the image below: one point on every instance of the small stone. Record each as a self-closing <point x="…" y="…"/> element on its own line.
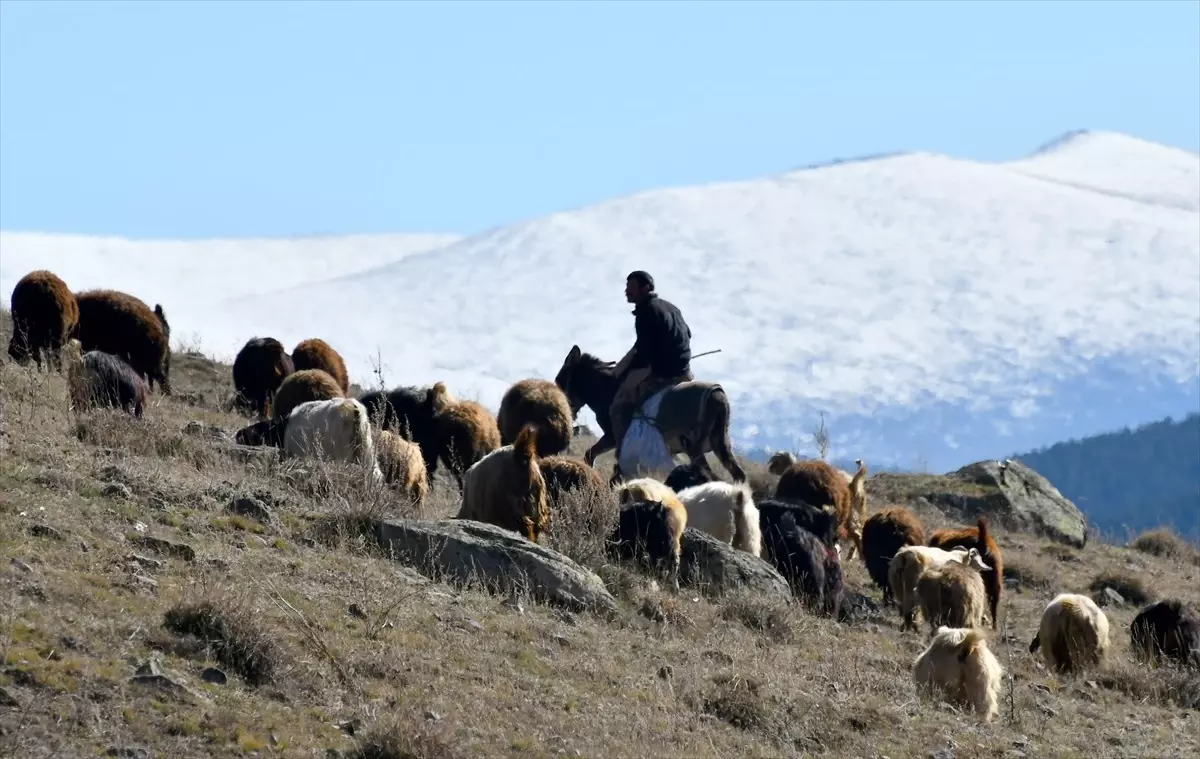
<point x="214" y="675"/>
<point x="249" y="506"/>
<point x="166" y="547"/>
<point x="6" y="699"/>
<point x="944" y="753"/>
<point x="145" y="561"/>
<point x="117" y="490"/>
<point x="1110" y="597"/>
<point x="350" y="726"/>
<point x="561" y="639"/>
<point x="21" y="565"/>
<point x="356" y="611"/>
<point x="432" y="716"/>
<point x="666" y="672"/>
<point x="150" y="667"/>
<point x="128" y="752"/>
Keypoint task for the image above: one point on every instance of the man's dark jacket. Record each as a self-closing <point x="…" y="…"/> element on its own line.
<point x="664" y="340"/>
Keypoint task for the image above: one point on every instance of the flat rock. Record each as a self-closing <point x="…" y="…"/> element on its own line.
<point x="462" y="551"/>
<point x="717" y="569"/>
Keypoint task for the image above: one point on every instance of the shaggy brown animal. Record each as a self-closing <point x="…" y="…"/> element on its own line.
<point x="542" y="403"/>
<point x="464" y="431"/>
<point x="885" y="533"/>
<point x="952" y="595"/>
<point x="44" y="316"/>
<point x="506" y="488"/>
<point x="98" y="379"/>
<point x="118" y="323"/>
<point x="301" y="387"/>
<point x="980" y="539"/>
<point x="402" y="465"/>
<point x="260" y="368"/>
<point x="816" y="483"/>
<point x="564" y="474"/>
<point x="315" y="353"/>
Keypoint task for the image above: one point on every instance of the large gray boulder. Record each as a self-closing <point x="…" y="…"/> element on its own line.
<point x="1016" y="497"/>
<point x="718" y="569"/>
<point x="462" y="551"/>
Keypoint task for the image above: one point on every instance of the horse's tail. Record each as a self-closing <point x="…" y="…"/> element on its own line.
<point x="718" y="412"/>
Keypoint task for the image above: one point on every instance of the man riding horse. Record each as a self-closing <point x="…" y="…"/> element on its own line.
<point x="660" y="358"/>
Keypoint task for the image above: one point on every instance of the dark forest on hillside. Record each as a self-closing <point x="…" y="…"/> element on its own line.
<point x="1130" y="480"/>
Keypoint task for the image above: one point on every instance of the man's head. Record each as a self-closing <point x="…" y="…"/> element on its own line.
<point x="638" y="285"/>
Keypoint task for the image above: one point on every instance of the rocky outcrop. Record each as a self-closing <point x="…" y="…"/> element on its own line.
<point x="1014" y="496"/>
<point x="463" y="551"/>
<point x="717" y="569"/>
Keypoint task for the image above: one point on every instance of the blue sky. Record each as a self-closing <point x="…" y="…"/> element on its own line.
<point x="203" y="119"/>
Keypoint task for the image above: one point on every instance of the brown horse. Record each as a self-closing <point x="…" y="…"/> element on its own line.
<point x="693" y="417"/>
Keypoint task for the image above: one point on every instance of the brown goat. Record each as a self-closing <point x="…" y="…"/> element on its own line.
<point x="885" y="533"/>
<point x="315" y="353"/>
<point x="44" y="316"/>
<point x="542" y="403"/>
<point x="301" y="387"/>
<point x="259" y="369"/>
<point x="118" y="323"/>
<point x="816" y="483"/>
<point x="402" y="464"/>
<point x="952" y="595"/>
<point x="564" y="474"/>
<point x="506" y="488"/>
<point x="464" y="431"/>
<point x="980" y="539"/>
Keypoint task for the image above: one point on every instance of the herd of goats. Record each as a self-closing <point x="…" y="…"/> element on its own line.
<point x="512" y="471"/>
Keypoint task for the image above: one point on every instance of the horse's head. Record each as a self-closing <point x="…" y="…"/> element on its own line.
<point x="565" y="376"/>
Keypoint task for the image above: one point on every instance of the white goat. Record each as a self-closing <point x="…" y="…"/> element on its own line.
<point x="910" y="562"/>
<point x="725" y="511"/>
<point x="338" y="429"/>
<point x="960" y="665"/>
<point x="1073" y="634"/>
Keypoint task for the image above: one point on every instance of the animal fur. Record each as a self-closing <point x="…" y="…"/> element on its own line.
<point x="1167" y="630"/>
<point x="315" y="353"/>
<point x="541" y="403"/>
<point x="336" y="429"/>
<point x="564" y="474"/>
<point x="809" y="563"/>
<point x="407" y="411"/>
<point x="262" y="432"/>
<point x="644" y="489"/>
<point x="910" y="563"/>
<point x="1073" y="635"/>
<point x="952" y="595"/>
<point x="779" y="462"/>
<point x="44" y="316"/>
<point x="402" y="465"/>
<point x="259" y="369"/>
<point x="302" y="386"/>
<point x="885" y="533"/>
<point x="118" y="323"/>
<point x="650" y="532"/>
<point x="725" y="511"/>
<point x="816" y="483"/>
<point x="689" y="475"/>
<point x="464" y="431"/>
<point x="978" y="537"/>
<point x="97" y="379"/>
<point x="506" y="488"/>
<point x="821" y="522"/>
<point x="959" y="664"/>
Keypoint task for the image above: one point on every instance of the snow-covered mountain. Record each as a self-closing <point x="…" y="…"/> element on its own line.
<point x="937" y="310"/>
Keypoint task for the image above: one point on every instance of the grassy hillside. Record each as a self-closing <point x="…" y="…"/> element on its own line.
<point x="1131" y="480"/>
<point x="324" y="644"/>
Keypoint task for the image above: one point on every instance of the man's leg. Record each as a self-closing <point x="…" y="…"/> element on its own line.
<point x="625" y="402"/>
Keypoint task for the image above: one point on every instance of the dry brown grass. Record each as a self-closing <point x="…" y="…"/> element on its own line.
<point x="328" y="645"/>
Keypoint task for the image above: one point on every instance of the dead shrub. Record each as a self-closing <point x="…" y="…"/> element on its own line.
<point x="1028" y="574"/>
<point x="405" y="737"/>
<point x="581" y="523"/>
<point x="774" y="620"/>
<point x="1165" y="543"/>
<point x="1167" y="686"/>
<point x="232" y="634"/>
<point x="1130" y="586"/>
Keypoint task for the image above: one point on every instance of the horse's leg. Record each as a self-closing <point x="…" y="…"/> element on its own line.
<point x="601" y="446"/>
<point x="718" y="437"/>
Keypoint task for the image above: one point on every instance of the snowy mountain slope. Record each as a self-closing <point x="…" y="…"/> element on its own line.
<point x="188" y="276"/>
<point x="1120" y="165"/>
<point x="934" y="308"/>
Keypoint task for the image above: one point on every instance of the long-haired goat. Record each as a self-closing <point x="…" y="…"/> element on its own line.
<point x="464" y="432"/>
<point x="315" y="353"/>
<point x="44" y="316"/>
<point x="97" y="379"/>
<point x="978" y="537"/>
<point x="725" y="511"/>
<point x="402" y="465"/>
<point x="907" y="566"/>
<point x="643" y="489"/>
<point x="1167" y="629"/>
<point x="1073" y="635"/>
<point x="303" y="386"/>
<point x="885" y="533"/>
<point x="335" y="430"/>
<point x="541" y="403"/>
<point x="651" y="533"/>
<point x="259" y="369"/>
<point x="815" y="482"/>
<point x="952" y="595"/>
<point x="506" y="488"/>
<point x="564" y="474"/>
<point x="120" y="324"/>
<point x="959" y="664"/>
<point x="809" y="564"/>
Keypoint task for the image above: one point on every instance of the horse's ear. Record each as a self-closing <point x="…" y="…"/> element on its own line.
<point x="574" y="354"/>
